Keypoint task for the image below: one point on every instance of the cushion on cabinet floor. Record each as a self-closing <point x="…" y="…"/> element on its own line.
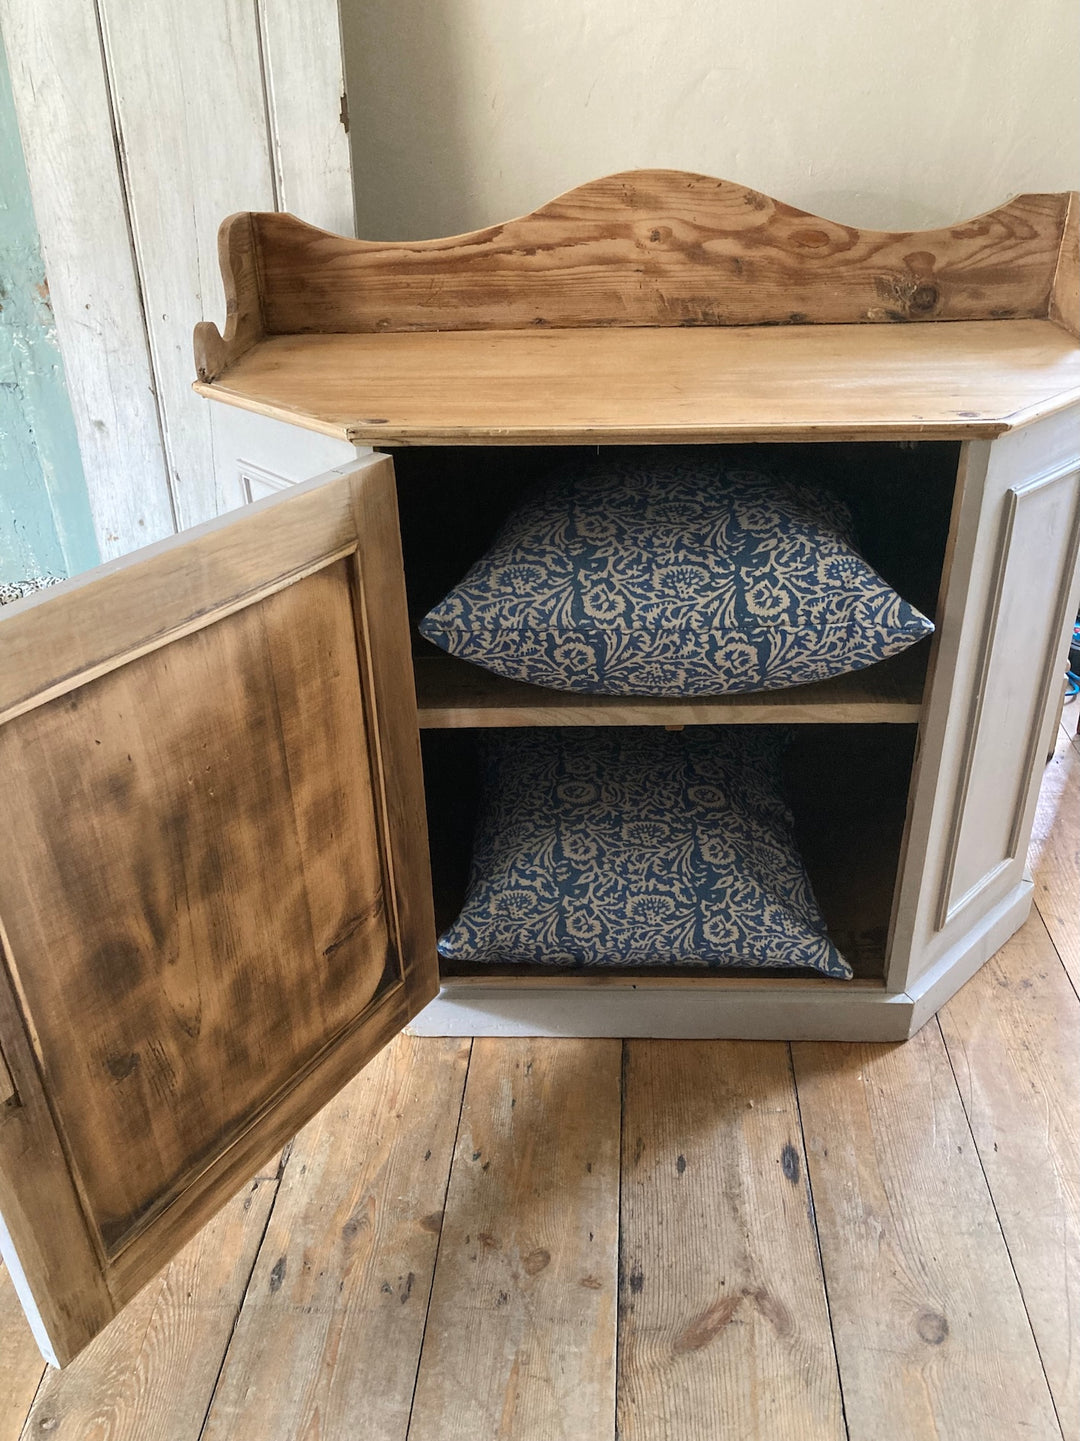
<point x="673" y="573"/>
<point x="637" y="847"/>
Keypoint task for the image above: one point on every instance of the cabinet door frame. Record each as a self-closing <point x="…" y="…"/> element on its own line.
<point x="339" y="531"/>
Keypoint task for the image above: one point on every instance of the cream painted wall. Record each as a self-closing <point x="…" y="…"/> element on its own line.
<point x="887" y="113"/>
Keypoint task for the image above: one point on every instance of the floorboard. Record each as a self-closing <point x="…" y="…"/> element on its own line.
<point x="724" y="1327"/>
<point x="21" y="1366"/>
<point x="329" y="1335"/>
<point x="151" y="1373"/>
<point x="1011" y="1035"/>
<point x="930" y="1327"/>
<point x="520" y="1342"/>
<point x="1055" y="850"/>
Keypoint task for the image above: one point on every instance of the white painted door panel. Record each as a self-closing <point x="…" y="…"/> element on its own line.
<point x="1012" y="591"/>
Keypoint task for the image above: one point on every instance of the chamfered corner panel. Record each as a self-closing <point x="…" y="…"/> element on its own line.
<point x="1020" y="670"/>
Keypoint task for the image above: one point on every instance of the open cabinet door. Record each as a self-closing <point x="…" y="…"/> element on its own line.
<point x="214" y="893"/>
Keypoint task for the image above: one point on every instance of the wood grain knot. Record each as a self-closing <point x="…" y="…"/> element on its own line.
<point x="707" y="1326"/>
<point x="811" y="239"/>
<point x="931" y="1327"/>
<point x="923" y="299"/>
<point x="121" y="1067"/>
<point x="789" y="1163"/>
<point x="772" y="1309"/>
<point x="277" y="1275"/>
<point x="536" y="1261"/>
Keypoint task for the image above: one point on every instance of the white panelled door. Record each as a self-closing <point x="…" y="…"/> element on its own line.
<point x="143" y="127"/>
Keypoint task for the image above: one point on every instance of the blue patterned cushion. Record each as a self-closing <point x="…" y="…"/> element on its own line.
<point x="638" y="847"/>
<point x="664" y="573"/>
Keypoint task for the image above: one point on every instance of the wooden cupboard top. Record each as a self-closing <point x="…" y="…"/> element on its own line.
<point x="652" y="306"/>
<point x="956" y="381"/>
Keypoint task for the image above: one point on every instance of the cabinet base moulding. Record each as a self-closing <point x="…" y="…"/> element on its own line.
<point x="715" y="1007"/>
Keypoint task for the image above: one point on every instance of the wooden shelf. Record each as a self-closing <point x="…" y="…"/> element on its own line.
<point x="454" y="695"/>
<point x="952" y="381"/>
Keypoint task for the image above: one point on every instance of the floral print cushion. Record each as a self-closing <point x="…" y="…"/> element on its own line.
<point x="638" y="847"/>
<point x="660" y="573"/>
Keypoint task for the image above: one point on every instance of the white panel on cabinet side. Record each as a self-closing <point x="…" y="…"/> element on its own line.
<point x="64" y="115"/>
<point x="1019" y="664"/>
<point x="305" y="97"/>
<point x="990" y="695"/>
<point x="271" y="453"/>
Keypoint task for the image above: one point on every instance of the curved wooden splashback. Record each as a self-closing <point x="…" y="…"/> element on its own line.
<point x="643" y="248"/>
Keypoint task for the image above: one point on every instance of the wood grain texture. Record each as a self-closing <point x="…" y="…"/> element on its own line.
<point x="21" y="1366"/>
<point x="931" y="1333"/>
<point x="329" y="1336"/>
<point x="724" y="1328"/>
<point x="1054" y="855"/>
<point x="49" y="1252"/>
<point x="626" y="386"/>
<point x="209" y="894"/>
<point x="243" y="307"/>
<point x="662" y="247"/>
<point x="77" y="631"/>
<point x="152" y="1373"/>
<point x="219" y="903"/>
<point x="1011" y="1035"/>
<point x="452" y="694"/>
<point x="383" y="641"/>
<point x="521" y="1330"/>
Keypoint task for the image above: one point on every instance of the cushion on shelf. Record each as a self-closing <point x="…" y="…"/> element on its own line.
<point x="638" y="847"/>
<point x="673" y="573"/>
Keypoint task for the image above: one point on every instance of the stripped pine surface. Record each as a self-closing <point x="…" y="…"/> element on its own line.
<point x="21" y="1366"/>
<point x="931" y="1334"/>
<point x="724" y="1328"/>
<point x="1011" y="1035"/>
<point x="520" y="1340"/>
<point x="345" y="1271"/>
<point x="152" y="1373"/>
<point x="939" y="1178"/>
<point x="1055" y="848"/>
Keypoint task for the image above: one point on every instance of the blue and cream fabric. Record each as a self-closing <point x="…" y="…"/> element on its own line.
<point x="669" y="573"/>
<point x="638" y="847"/>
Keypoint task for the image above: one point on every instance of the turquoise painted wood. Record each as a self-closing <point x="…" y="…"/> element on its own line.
<point x="45" y="522"/>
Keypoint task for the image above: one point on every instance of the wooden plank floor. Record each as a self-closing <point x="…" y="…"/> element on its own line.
<point x="651" y="1241"/>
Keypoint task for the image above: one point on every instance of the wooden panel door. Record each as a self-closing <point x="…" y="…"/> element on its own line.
<point x="215" y="897"/>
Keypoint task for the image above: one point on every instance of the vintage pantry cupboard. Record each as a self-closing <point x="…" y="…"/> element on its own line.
<point x="217" y="891"/>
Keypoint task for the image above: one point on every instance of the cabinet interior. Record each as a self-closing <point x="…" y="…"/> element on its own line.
<point x="853" y="740"/>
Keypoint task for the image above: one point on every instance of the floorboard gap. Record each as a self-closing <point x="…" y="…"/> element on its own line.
<point x="817" y="1240"/>
<point x="997" y="1217"/>
<point x="438" y="1245"/>
<point x="276" y="1183"/>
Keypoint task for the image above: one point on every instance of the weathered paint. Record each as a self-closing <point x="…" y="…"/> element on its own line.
<point x="45" y="523"/>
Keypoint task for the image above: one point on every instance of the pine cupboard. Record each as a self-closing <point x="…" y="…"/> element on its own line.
<point x="233" y="795"/>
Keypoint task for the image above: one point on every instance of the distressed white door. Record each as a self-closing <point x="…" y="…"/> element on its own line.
<point x="143" y="126"/>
